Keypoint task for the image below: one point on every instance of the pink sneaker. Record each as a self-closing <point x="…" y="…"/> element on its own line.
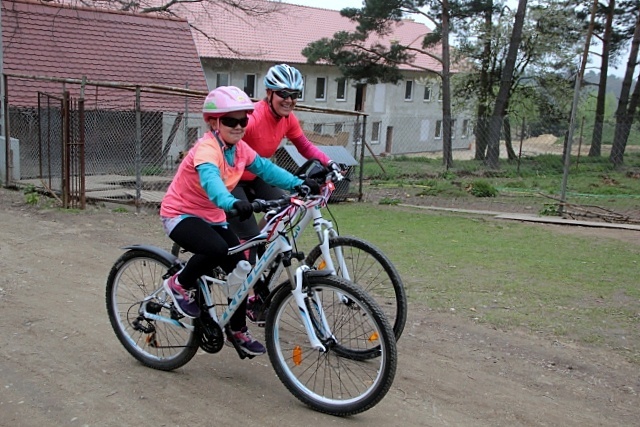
<point x="248" y="344"/>
<point x="185" y="299"/>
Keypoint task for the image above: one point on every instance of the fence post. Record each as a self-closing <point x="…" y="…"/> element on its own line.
<point x="138" y="152"/>
<point x="362" y="142"/>
<point x="521" y="141"/>
<point x="7" y="142"/>
<point x="185" y="143"/>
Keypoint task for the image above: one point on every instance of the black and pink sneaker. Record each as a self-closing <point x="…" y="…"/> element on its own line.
<point x="185" y="299"/>
<point x="247" y="343"/>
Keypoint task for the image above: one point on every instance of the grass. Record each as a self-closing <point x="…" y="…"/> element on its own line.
<point x="510" y="275"/>
<point x="591" y="181"/>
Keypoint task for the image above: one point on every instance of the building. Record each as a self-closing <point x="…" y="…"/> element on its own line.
<point x="239" y="48"/>
<point x="100" y="57"/>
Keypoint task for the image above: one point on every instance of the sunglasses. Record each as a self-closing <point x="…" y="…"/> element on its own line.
<point x="286" y="94"/>
<point x="232" y="122"/>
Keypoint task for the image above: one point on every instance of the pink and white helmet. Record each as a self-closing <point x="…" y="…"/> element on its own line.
<point x="225" y="99"/>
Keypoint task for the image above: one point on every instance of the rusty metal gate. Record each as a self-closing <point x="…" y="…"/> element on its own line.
<point x="61" y="148"/>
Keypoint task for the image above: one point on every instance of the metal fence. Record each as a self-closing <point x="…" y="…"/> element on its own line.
<point x="96" y="141"/>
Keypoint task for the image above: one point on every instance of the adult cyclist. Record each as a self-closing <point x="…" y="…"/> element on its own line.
<point x="272" y="120"/>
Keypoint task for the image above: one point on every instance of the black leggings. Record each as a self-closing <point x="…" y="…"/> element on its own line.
<point x="209" y="245"/>
<point x="251" y="190"/>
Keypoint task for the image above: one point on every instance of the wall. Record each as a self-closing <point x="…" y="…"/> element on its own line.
<point x="394" y="125"/>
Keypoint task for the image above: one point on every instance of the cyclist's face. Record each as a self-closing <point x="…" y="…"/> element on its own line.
<point x="282" y="106"/>
<point x="231" y="126"/>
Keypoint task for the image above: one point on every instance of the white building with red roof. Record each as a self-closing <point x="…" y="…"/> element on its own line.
<point x="101" y="56"/>
<point x="237" y="48"/>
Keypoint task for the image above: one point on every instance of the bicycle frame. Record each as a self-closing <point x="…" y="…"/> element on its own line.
<point x="323" y="227"/>
<point x="274" y="233"/>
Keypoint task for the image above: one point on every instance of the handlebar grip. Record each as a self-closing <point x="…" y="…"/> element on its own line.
<point x="257" y="206"/>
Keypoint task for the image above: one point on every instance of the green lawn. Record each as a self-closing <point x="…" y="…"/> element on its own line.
<point x="591" y="181"/>
<point x="508" y="274"/>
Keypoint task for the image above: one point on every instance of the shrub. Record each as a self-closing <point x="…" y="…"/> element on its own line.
<point x="482" y="189"/>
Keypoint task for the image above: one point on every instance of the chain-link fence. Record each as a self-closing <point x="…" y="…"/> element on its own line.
<point x="94" y="141"/>
<point x="601" y="178"/>
<point x="83" y="140"/>
<point x="102" y="141"/>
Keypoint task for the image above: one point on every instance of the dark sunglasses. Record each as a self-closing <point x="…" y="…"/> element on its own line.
<point x="232" y="122"/>
<point x="284" y="94"/>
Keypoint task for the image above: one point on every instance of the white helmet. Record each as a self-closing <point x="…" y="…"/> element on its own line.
<point x="282" y="77"/>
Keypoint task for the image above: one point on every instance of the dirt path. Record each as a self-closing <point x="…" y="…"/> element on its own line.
<point x="61" y="364"/>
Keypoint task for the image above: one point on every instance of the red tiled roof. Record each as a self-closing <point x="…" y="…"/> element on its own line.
<point x="281" y="35"/>
<point x="51" y="40"/>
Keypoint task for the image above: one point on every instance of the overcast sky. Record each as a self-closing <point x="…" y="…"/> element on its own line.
<point x="341" y="4"/>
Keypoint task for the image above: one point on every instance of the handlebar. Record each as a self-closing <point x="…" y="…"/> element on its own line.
<point x="260" y="205"/>
<point x="313" y="169"/>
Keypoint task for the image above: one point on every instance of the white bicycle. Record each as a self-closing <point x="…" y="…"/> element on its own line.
<point x="349" y="257"/>
<point x="327" y="340"/>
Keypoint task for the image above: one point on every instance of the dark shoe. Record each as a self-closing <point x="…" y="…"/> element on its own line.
<point x="185" y="299"/>
<point x="247" y="343"/>
<point x="256" y="312"/>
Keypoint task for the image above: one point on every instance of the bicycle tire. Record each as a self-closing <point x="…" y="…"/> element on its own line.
<point x="374" y="272"/>
<point x="133" y="277"/>
<point x="328" y="381"/>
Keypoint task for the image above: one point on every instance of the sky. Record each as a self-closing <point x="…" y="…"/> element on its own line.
<point x="341" y="4"/>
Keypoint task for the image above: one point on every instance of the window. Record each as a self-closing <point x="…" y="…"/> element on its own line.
<point x="440" y="94"/>
<point x="375" y="132"/>
<point x="338" y="127"/>
<point x="321" y="88"/>
<point x="408" y="90"/>
<point x="222" y="79"/>
<point x="453" y="128"/>
<point x="439" y="129"/>
<point x="304" y="85"/>
<point x="250" y="85"/>
<point x="317" y="127"/>
<point x="427" y="93"/>
<point x="341" y="93"/>
<point x="465" y="128"/>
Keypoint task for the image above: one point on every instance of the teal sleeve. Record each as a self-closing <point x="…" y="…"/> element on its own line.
<point x="213" y="185"/>
<point x="273" y="174"/>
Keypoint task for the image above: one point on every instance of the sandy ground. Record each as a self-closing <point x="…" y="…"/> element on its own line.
<point x="61" y="364"/>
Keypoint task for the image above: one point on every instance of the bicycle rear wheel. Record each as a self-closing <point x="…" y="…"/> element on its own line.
<point x="369" y="268"/>
<point x="160" y="345"/>
<point x="331" y="381"/>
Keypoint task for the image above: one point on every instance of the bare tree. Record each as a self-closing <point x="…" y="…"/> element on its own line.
<point x="626" y="107"/>
<point x="495" y="124"/>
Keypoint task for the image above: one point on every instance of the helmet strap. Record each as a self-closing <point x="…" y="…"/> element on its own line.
<point x="273" y="110"/>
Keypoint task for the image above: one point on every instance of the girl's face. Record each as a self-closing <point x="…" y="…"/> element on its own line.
<point x="283" y="101"/>
<point x="231" y="126"/>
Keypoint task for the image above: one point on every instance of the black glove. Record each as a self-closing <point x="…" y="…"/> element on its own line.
<point x="334" y="167"/>
<point x="312" y="187"/>
<point x="244" y="208"/>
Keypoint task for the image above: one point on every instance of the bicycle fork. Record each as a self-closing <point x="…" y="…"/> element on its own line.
<point x="300" y="297"/>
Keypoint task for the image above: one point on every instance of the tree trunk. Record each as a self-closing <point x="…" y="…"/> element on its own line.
<point x="508" y="143"/>
<point x="481" y="129"/>
<point x="624" y="113"/>
<point x="493" y="151"/>
<point x="596" y="139"/>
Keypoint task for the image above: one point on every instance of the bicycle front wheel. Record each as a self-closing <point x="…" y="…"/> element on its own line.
<point x="331" y="381"/>
<point x="369" y="268"/>
<point x="136" y="275"/>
